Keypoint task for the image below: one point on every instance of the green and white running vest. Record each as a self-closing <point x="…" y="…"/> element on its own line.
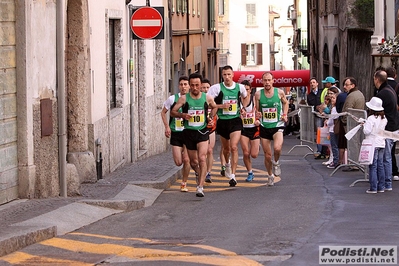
<point x="271" y="109"/>
<point x="176" y="124"/>
<point x="231" y="97"/>
<point x="198" y="109"/>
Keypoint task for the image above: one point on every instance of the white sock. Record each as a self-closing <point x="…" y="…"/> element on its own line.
<point x="232" y="176"/>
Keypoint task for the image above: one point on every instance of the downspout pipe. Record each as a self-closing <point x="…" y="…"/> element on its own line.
<point x="62" y="140"/>
<point x="132" y="113"/>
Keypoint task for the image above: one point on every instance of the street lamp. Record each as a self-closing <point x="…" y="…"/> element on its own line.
<point x="227" y="53"/>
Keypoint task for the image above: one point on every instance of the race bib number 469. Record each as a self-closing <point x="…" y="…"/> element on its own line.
<point x="269" y="115"/>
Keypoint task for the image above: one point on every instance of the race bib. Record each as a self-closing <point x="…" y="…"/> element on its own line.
<point x="232" y="109"/>
<point x="248" y="120"/>
<point x="269" y="115"/>
<point x="179" y="124"/>
<point x="197" y="118"/>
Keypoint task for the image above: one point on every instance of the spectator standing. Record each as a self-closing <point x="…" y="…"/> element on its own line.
<point x="389" y="102"/>
<point x="333" y="161"/>
<point x="375" y="123"/>
<point x="314" y="99"/>
<point x="355" y="100"/>
<point x="391" y="76"/>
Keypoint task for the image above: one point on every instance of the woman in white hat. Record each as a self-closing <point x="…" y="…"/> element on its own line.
<point x="375" y="123"/>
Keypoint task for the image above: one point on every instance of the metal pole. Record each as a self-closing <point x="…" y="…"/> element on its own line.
<point x="61" y="96"/>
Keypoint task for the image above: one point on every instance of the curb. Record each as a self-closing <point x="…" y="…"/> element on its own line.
<point x="136" y="195"/>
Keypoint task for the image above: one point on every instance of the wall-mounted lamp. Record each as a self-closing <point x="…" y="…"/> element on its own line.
<point x="182" y="59"/>
<point x="223" y="51"/>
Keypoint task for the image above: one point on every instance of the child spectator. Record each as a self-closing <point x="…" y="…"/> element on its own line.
<point x="376" y="122"/>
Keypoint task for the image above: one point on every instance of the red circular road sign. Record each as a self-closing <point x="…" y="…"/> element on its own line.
<point x="146" y="22"/>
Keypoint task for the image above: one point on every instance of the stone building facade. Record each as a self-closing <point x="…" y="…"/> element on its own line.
<point x="75" y="91"/>
<point x="339" y="44"/>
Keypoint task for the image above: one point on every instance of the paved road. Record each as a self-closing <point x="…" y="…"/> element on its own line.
<point x="251" y="224"/>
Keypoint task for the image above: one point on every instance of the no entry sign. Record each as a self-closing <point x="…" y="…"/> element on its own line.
<point x="147" y="23"/>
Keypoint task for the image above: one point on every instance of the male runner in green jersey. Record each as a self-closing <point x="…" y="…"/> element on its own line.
<point x="272" y="109"/>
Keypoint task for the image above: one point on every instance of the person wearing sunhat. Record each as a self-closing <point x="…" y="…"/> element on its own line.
<point x="375" y="123"/>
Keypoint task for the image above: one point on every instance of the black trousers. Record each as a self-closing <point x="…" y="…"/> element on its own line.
<point x="394" y="164"/>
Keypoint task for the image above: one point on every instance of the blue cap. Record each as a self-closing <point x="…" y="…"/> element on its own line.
<point x="329" y="80"/>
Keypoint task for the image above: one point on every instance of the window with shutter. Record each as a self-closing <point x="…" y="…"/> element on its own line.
<point x="251" y="54"/>
<point x="259" y="55"/>
<point x="243" y="54"/>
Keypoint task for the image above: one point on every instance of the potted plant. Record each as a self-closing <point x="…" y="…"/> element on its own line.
<point x="389" y="46"/>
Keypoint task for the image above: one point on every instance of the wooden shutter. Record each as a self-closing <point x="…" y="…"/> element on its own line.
<point x="259" y="57"/>
<point x="243" y="54"/>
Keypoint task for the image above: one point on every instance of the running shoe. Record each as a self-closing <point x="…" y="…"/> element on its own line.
<point x="368" y="191"/>
<point x="208" y="178"/>
<point x="250" y="177"/>
<point x="200" y="192"/>
<point x="223" y="171"/>
<point x="228" y="170"/>
<point x="183" y="187"/>
<point x="233" y="182"/>
<point x="270" y="180"/>
<point x="277" y="169"/>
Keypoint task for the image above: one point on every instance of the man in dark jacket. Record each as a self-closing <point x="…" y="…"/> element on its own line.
<point x="314" y="99"/>
<point x="391" y="73"/>
<point x="389" y="102"/>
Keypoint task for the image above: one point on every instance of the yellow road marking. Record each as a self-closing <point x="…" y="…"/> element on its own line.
<point x="220" y="183"/>
<point x="220" y="257"/>
<point x="28" y="259"/>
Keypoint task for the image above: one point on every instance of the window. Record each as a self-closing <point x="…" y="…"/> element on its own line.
<point x="220" y="35"/>
<point x="193" y="7"/>
<point x="251" y="54"/>
<point x="221" y="7"/>
<point x="114" y="58"/>
<point x="251" y="14"/>
<point x="179" y="6"/>
<point x="198" y="8"/>
<point x="211" y="15"/>
<point x="112" y="63"/>
<point x="184" y="8"/>
<point x="326" y="61"/>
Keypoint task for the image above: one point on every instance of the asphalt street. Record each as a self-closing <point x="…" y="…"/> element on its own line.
<point x="251" y="224"/>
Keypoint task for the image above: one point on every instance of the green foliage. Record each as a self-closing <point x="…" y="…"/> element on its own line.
<point x="363" y="11"/>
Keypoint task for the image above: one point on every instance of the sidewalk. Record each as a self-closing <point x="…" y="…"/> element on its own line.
<point x="137" y="185"/>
